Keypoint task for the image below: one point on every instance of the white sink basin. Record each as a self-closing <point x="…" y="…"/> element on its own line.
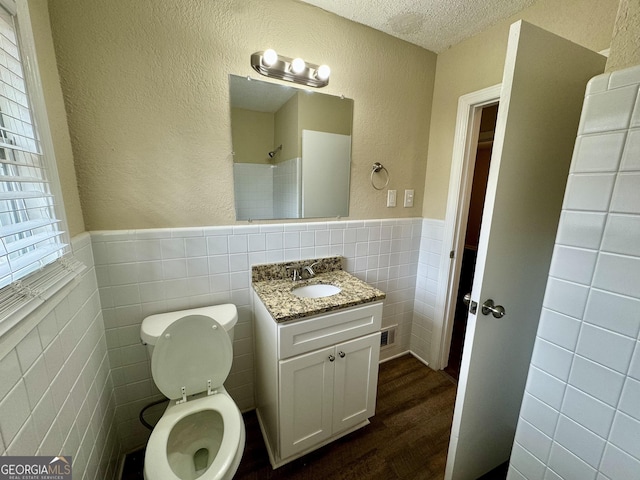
<point x="316" y="291"/>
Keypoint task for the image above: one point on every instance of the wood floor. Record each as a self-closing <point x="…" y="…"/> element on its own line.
<point x="407" y="438"/>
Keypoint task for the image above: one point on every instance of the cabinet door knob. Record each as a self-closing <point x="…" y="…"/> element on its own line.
<point x="331" y="358"/>
<point x="342" y="354"/>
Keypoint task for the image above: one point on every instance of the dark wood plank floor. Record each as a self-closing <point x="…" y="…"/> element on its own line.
<point x="407" y="438"/>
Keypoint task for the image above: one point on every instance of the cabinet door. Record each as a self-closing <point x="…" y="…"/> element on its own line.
<point x="356" y="381"/>
<point x="306" y="400"/>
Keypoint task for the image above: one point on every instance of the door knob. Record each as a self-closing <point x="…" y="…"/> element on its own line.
<point x="489" y="307"/>
<point x="331" y="358"/>
<point x="473" y="306"/>
<point x="467" y="298"/>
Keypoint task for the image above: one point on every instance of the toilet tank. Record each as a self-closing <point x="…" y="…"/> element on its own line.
<point x="153" y="326"/>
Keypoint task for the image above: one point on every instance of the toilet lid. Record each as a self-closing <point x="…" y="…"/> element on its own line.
<point x="191" y="351"/>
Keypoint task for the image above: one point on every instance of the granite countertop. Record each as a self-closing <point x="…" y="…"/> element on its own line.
<point x="284" y="306"/>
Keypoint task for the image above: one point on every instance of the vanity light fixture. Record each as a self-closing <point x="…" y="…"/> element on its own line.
<point x="270" y="64"/>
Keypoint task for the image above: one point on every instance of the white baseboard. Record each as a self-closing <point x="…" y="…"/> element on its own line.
<point x="422" y="360"/>
<point x="395" y="356"/>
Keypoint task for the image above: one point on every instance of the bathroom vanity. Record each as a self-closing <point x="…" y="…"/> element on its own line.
<point x="316" y="360"/>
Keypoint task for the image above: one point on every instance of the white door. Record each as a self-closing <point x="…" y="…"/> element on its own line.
<point x="542" y="93"/>
<point x="306" y="400"/>
<point x="356" y="381"/>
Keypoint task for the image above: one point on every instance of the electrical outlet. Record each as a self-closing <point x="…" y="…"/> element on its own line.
<point x="391" y="198"/>
<point x="408" y="198"/>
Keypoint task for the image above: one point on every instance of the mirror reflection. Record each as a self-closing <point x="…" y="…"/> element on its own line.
<point x="292" y="151"/>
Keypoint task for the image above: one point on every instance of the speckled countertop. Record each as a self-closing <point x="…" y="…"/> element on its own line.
<point x="272" y="285"/>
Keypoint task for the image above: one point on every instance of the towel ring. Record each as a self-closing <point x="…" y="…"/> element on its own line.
<point x="377" y="167"/>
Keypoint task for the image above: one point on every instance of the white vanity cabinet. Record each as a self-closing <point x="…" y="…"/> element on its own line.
<point x="316" y="378"/>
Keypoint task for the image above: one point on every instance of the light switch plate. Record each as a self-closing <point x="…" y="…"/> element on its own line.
<point x="408" y="198"/>
<point x="391" y="198"/>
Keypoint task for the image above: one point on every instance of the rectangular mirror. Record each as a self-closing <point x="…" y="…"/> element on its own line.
<point x="291" y="151"/>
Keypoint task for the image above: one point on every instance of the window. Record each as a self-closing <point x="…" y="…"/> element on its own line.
<point x="33" y="243"/>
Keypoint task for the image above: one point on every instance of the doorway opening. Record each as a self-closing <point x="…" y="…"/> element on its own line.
<point x="483" y="149"/>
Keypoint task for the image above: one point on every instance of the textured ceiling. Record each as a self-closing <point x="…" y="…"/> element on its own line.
<point x="433" y="24"/>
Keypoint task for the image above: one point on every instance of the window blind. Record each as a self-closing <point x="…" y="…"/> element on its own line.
<point x="31" y="235"/>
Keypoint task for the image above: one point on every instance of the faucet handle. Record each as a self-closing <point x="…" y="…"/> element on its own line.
<point x="295" y="275"/>
<point x="309" y="268"/>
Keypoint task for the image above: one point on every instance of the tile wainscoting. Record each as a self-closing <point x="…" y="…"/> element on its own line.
<point x="142" y="272"/>
<point x="56" y="394"/>
<point x="428" y="284"/>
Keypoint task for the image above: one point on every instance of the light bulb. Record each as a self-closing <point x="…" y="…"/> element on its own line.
<point x="269" y="57"/>
<point x="323" y="72"/>
<point x="298" y="65"/>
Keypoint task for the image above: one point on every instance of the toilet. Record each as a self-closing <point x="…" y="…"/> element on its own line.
<point x="201" y="433"/>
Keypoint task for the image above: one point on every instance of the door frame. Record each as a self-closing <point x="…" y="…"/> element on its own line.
<point x="460" y="182"/>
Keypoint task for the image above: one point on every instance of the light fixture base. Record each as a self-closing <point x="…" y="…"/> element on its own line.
<point x="282" y="70"/>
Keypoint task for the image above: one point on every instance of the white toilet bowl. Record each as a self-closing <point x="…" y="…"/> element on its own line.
<point x="201" y="433"/>
<point x="203" y="438"/>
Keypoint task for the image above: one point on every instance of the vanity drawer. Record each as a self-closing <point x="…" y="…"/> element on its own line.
<point x="328" y="329"/>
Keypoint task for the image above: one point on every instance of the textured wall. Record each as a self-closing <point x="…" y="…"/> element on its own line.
<point x="146" y="92"/>
<point x="477" y="63"/>
<point x="625" y="44"/>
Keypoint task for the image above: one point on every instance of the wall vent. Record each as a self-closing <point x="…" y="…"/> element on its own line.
<point x="388" y="336"/>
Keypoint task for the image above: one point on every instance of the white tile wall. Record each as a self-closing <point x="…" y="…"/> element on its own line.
<point x="253" y="186"/>
<point x="287" y="186"/>
<point x="580" y="417"/>
<point x="151" y="271"/>
<point x="427" y="282"/>
<point x="268" y="191"/>
<point x="56" y="394"/>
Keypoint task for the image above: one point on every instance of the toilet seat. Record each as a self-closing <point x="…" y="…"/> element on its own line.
<point x="194" y="353"/>
<point x="156" y="462"/>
